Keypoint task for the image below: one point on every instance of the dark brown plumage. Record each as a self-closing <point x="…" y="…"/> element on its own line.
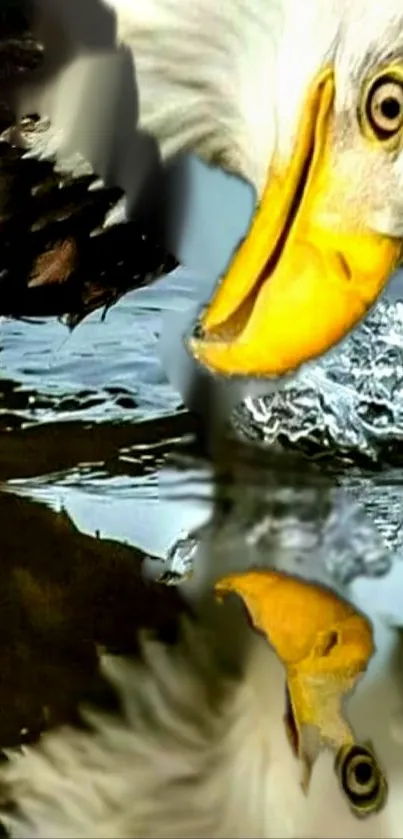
<point x="50" y="263"/>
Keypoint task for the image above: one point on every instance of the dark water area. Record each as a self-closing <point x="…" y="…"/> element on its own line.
<point x="87" y="423"/>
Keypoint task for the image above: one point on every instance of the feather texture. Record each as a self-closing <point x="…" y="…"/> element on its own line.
<point x="200" y="751"/>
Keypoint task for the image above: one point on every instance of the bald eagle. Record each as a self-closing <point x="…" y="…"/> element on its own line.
<point x="304" y="100"/>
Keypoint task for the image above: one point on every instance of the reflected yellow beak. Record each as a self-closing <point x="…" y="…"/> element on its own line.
<point x="294" y="288"/>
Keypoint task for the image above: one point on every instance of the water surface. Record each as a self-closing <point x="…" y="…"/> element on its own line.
<point x="102" y="469"/>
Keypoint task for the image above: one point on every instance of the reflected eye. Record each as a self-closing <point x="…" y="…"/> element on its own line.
<point x="362" y="779"/>
<point x="384" y="107"/>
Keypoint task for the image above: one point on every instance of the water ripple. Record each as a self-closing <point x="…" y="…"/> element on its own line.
<point x="349" y="404"/>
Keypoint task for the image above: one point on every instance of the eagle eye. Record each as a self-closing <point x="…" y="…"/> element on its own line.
<point x="384" y="106"/>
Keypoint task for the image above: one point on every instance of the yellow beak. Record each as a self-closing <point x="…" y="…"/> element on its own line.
<point x="295" y="287"/>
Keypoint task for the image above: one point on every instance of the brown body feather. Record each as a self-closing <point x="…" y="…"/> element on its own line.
<point x="56" y="256"/>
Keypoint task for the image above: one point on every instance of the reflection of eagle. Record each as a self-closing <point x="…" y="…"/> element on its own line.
<point x="201" y="749"/>
<point x="305" y="101"/>
<point x="201" y="752"/>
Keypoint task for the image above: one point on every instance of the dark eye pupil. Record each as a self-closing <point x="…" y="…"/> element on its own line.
<point x="390" y="108"/>
<point x="363" y="773"/>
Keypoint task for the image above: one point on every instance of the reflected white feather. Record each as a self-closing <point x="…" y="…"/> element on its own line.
<point x="200" y="754"/>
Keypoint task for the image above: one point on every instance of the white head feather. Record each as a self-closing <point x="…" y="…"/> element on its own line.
<point x="228" y="81"/>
